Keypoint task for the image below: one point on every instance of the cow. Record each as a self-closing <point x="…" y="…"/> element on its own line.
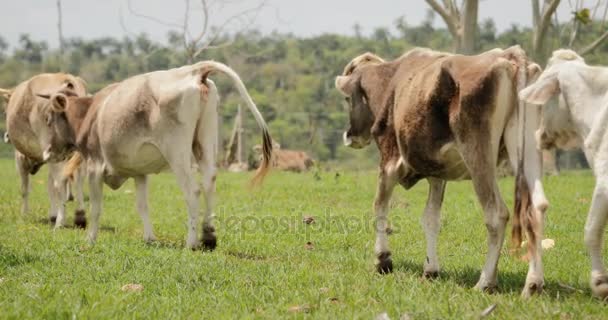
<point x="146" y="124"/>
<point x="27" y="121"/>
<point x="287" y="160"/>
<point x="443" y="117"/>
<point x="581" y="119"/>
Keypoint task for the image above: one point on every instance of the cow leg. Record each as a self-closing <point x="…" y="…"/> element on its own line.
<point x="141" y="186"/>
<point x="496" y="216"/>
<point x="386" y="184"/>
<point x="205" y="151"/>
<point x="25" y="181"/>
<point x="80" y="219"/>
<point x="57" y="192"/>
<point x="181" y="165"/>
<point x="95" y="198"/>
<point x="209" y="174"/>
<point x="533" y="171"/>
<point x="480" y="155"/>
<point x="594" y="234"/>
<point x="431" y="224"/>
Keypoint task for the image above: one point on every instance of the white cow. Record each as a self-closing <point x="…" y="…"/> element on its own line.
<point x="146" y="124"/>
<point x="27" y="124"/>
<point x="583" y="108"/>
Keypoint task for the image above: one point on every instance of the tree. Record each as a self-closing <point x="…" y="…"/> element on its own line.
<point x="461" y="22"/>
<point x="60" y="27"/>
<point x="208" y="37"/>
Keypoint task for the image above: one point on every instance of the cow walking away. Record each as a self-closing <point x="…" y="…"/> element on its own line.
<point x="146" y="124"/>
<point x="27" y="121"/>
<point x="581" y="116"/>
<point x="442" y="117"/>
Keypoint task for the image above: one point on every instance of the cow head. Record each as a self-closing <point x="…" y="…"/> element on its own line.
<point x="354" y="87"/>
<point x="547" y="85"/>
<point x="61" y="138"/>
<point x="557" y="128"/>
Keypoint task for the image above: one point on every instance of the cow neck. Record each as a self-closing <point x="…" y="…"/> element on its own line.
<point x="382" y="100"/>
<point x="79" y="108"/>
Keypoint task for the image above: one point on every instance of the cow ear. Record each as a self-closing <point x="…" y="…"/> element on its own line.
<point x="542" y="90"/>
<point x="345" y="84"/>
<point x="533" y="71"/>
<point x="59" y="102"/>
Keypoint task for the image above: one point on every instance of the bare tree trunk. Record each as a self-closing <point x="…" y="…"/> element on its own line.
<point x="60" y="27"/>
<point x="469" y="26"/>
<point x="462" y="26"/>
<point x="239" y="137"/>
<point x="541" y="21"/>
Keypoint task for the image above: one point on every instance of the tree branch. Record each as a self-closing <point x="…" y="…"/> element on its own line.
<point x="137" y="14"/>
<point x="447" y="17"/>
<point x="588" y="49"/>
<point x="541" y="28"/>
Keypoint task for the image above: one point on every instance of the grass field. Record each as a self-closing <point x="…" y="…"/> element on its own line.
<point x="263" y="267"/>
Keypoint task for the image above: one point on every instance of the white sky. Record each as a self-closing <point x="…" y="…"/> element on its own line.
<point x="97" y="18"/>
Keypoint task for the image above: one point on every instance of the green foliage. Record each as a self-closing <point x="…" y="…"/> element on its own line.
<point x="583" y="16"/>
<point x="291" y="79"/>
<point x="262" y="267"/>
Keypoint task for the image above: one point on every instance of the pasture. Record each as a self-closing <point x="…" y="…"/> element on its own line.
<point x="269" y="264"/>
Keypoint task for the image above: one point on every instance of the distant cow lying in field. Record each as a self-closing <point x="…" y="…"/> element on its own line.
<point x="288" y="160"/>
<point x="146" y="124"/>
<point x="443" y="117"/>
<point x="583" y="116"/>
<point x="27" y="121"/>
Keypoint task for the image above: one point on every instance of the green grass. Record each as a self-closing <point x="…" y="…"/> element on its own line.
<point x="262" y="268"/>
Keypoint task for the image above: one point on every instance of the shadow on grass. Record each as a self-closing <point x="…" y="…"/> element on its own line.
<point x="509" y="282"/>
<point x="72" y="226"/>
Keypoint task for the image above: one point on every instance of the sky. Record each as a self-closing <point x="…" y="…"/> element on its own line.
<point x="97" y="18"/>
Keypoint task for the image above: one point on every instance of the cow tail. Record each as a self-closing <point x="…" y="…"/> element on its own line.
<point x="72" y="165"/>
<point x="523" y="213"/>
<point x="208" y="67"/>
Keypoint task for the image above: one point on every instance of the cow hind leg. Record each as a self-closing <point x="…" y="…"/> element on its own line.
<point x="533" y="204"/>
<point x="181" y="165"/>
<point x="80" y="219"/>
<point x="141" y="186"/>
<point x="95" y="198"/>
<point x="204" y="149"/>
<point x="209" y="173"/>
<point x="431" y="225"/>
<point x="594" y="233"/>
<point x="24" y="175"/>
<point x="386" y="184"/>
<point x="480" y="158"/>
<point x="57" y="186"/>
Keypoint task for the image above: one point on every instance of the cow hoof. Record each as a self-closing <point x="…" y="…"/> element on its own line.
<point x="531" y="289"/>
<point x="52" y="220"/>
<point x="430" y="275"/>
<point x="209" y="238"/>
<point x="210" y="243"/>
<point x="149" y="238"/>
<point x="384" y="264"/>
<point x="485" y="287"/>
<point x="599" y="287"/>
<point x="80" y="220"/>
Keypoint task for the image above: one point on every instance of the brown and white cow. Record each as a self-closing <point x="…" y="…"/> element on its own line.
<point x="441" y="117"/>
<point x="146" y="124"/>
<point x="28" y="129"/>
<point x="581" y="118"/>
